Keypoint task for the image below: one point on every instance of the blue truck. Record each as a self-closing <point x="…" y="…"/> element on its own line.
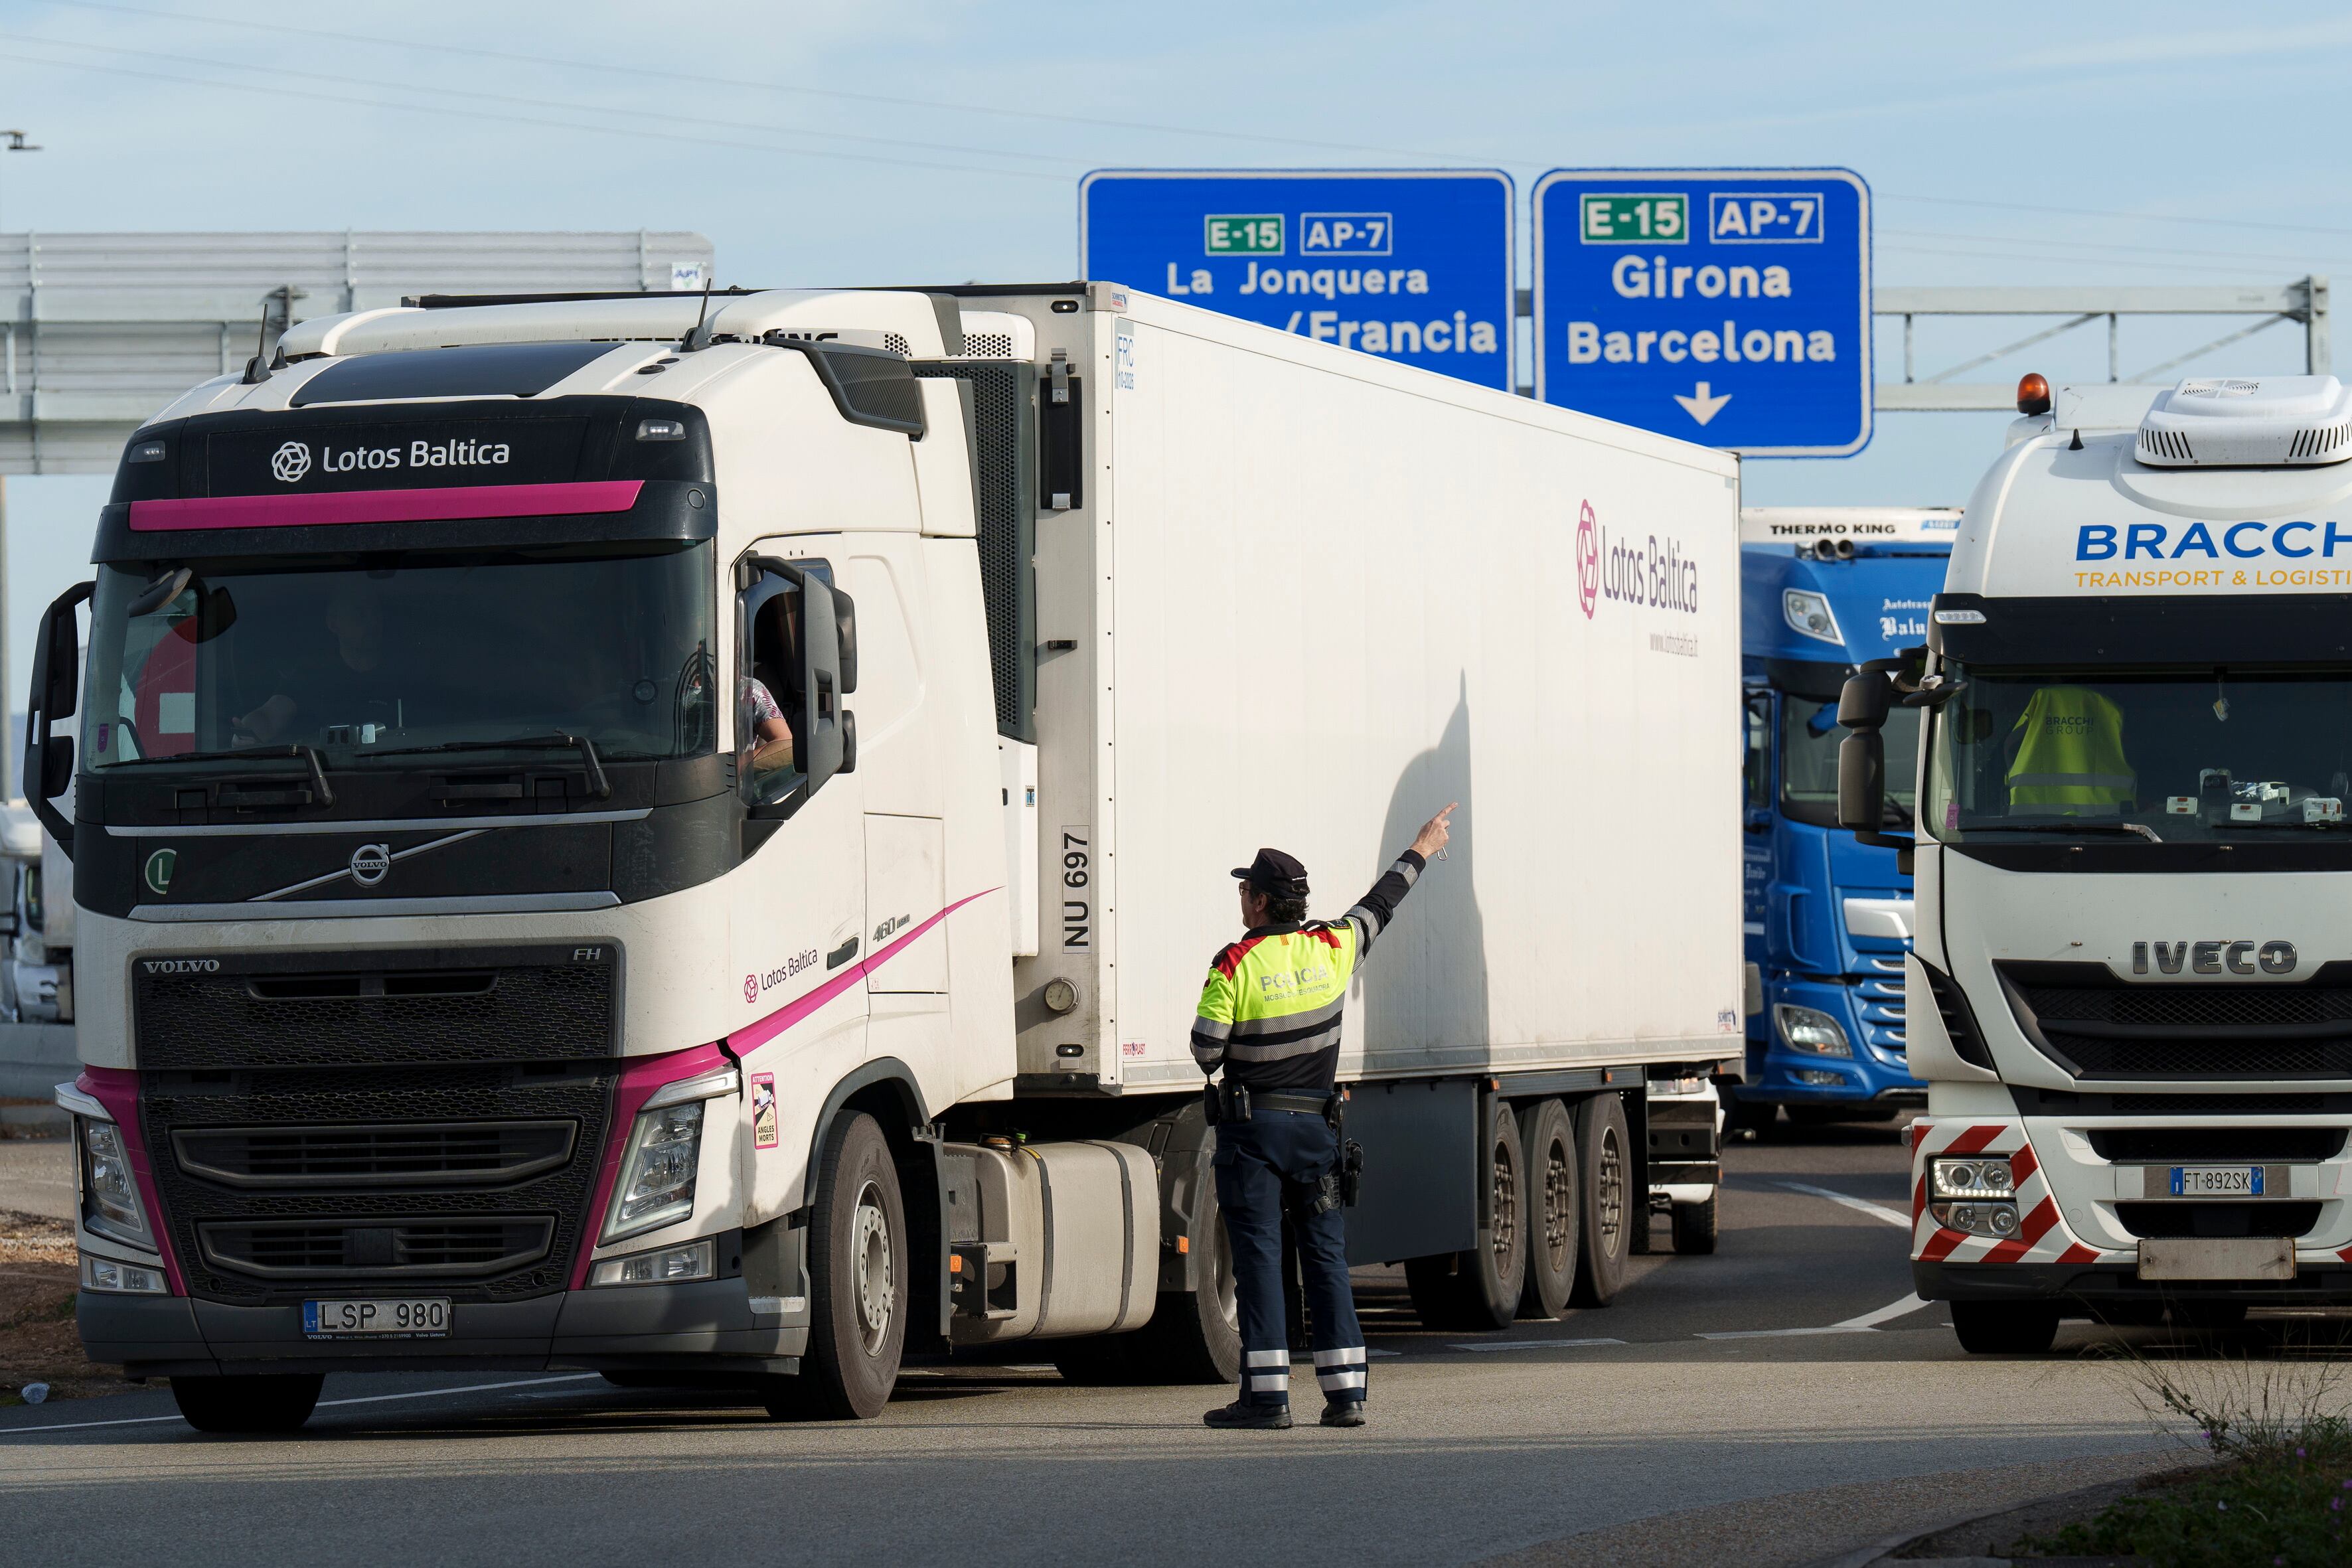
<point x="1827" y="919"/>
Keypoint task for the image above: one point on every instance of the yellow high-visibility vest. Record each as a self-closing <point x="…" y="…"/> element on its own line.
<point x="2072" y="754"/>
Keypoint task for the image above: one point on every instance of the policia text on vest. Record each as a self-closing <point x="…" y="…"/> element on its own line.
<point x="1270" y="1015"/>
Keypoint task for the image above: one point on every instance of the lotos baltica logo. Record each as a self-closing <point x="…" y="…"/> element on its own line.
<point x="1588" y="559"/>
<point x="289" y="462"/>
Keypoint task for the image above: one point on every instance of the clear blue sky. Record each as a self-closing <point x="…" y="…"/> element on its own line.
<point x="2090" y="143"/>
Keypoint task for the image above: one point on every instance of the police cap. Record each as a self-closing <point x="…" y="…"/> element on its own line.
<point x="1275" y="874"/>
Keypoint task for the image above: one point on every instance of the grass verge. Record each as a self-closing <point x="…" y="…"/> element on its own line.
<point x="37" y="1339"/>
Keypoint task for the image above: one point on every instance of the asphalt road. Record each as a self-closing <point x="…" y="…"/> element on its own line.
<point x="1795" y="1359"/>
<point x="36" y="1176"/>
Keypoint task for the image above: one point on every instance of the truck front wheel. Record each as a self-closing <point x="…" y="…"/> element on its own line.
<point x="2004" y="1327"/>
<point x="278" y="1401"/>
<point x="858" y="1282"/>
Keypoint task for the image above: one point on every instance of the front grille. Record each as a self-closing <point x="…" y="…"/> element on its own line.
<point x="533" y="1004"/>
<point x="384" y="1248"/>
<point x="2097" y="1026"/>
<point x="411" y="1154"/>
<point x="1879" y="999"/>
<point x="2156" y="1220"/>
<point x="2186" y="1145"/>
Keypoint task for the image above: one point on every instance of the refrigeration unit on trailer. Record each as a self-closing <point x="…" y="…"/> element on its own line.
<point x="2128" y="988"/>
<point x="687" y="845"/>
<point x="1825" y="590"/>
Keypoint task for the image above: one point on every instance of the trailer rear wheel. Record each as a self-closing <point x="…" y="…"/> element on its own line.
<point x="858" y="1283"/>
<point x="1478" y="1291"/>
<point x="1553" y="1210"/>
<point x="2004" y="1327"/>
<point x="277" y="1402"/>
<point x="1611" y="1209"/>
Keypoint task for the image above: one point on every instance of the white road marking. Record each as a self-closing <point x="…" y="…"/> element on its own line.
<point x="323" y="1404"/>
<point x="1866" y="1324"/>
<point x="1531" y="1344"/>
<point x="1859" y="1205"/>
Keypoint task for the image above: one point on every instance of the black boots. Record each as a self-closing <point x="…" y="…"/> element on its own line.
<point x="1241" y="1415"/>
<point x="1343" y="1413"/>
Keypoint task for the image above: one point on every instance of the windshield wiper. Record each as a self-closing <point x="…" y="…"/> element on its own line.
<point x="2136" y="829"/>
<point x="598" y="785"/>
<point x="251" y="754"/>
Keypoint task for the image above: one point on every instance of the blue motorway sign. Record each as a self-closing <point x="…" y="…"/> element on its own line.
<point x="1729" y="306"/>
<point x="1415" y="266"/>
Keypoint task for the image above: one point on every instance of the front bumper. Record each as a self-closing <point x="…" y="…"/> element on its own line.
<point x="708" y="1325"/>
<point x="2087" y="1287"/>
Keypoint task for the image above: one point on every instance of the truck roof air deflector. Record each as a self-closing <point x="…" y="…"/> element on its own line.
<point x="869" y="386"/>
<point x="476" y="370"/>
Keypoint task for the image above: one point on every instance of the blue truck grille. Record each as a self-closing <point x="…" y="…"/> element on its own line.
<point x="1879" y="999"/>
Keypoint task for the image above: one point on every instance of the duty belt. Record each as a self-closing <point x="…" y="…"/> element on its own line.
<point x="1312" y="1104"/>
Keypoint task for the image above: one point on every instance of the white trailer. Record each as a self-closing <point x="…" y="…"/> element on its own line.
<point x="465" y="983"/>
<point x="2124" y="989"/>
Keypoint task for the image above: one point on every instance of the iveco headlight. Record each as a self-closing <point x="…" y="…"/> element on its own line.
<point x="1810" y="613"/>
<point x="1814" y="1033"/>
<point x="109" y="1194"/>
<point x="1978" y="1176"/>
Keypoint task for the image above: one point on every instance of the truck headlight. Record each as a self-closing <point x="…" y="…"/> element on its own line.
<point x="114" y="1276"/>
<point x="1808" y="1030"/>
<point x="663" y="1266"/>
<point x="656" y="1186"/>
<point x="110" y="1202"/>
<point x="1977" y="1219"/>
<point x="1983" y="1176"/>
<point x="1809" y="613"/>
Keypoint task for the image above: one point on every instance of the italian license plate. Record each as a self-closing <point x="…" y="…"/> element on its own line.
<point x="408" y="1318"/>
<point x="2217" y="1181"/>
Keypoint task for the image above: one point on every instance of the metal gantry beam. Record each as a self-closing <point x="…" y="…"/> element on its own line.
<point x="2303" y="301"/>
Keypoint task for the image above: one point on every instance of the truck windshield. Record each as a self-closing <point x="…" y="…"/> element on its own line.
<point x="2218" y="755"/>
<point x="396" y="653"/>
<point x="1809" y="760"/>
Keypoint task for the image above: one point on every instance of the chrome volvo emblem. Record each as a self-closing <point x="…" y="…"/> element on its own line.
<point x="370" y="862"/>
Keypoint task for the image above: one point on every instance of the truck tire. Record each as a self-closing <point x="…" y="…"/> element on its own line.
<point x="858" y="1283"/>
<point x="277" y="1402"/>
<point x="1610" y="1210"/>
<point x="1478" y="1291"/>
<point x="1194" y="1336"/>
<point x="2004" y="1327"/>
<point x="1697" y="1225"/>
<point x="1553" y="1210"/>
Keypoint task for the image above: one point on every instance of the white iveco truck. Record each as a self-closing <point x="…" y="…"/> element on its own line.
<point x="2130" y="986"/>
<point x="687" y="845"/>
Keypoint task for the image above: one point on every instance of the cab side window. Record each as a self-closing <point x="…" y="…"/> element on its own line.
<point x="796" y="658"/>
<point x="1755" y="771"/>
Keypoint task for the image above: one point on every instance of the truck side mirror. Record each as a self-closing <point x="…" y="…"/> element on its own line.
<point x="57" y="680"/>
<point x="1862" y="782"/>
<point x="1865" y="701"/>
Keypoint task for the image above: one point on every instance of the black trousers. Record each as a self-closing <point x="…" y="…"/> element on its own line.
<point x="1259" y="1162"/>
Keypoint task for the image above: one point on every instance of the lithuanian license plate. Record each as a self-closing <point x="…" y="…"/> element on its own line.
<point x="2217" y="1181"/>
<point x="410" y="1317"/>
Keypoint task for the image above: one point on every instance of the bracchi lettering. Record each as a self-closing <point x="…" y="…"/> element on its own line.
<point x="416" y="455"/>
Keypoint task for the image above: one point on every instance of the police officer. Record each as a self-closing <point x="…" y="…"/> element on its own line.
<point x="1270" y="1017"/>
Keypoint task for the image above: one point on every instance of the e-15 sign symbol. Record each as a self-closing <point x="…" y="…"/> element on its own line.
<point x="1764" y="217"/>
<point x="1636" y="218"/>
<point x="1229" y="235"/>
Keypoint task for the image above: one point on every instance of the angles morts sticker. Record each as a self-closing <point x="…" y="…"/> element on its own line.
<point x="763" y="1111"/>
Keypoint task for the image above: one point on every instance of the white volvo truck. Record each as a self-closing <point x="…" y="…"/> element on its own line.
<point x="473" y="975"/>
<point x="2130" y="985"/>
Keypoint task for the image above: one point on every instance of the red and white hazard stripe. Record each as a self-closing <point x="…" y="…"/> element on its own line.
<point x="2042" y="1236"/>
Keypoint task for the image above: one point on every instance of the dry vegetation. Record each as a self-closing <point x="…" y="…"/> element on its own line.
<point x="37" y="1342"/>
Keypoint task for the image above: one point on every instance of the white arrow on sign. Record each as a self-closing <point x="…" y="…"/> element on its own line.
<point x="1699" y="406"/>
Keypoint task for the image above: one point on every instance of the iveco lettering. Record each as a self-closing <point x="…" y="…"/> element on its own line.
<point x="649" y="836"/>
<point x="2130" y="724"/>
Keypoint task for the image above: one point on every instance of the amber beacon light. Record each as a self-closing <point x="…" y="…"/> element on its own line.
<point x="2032" y="393"/>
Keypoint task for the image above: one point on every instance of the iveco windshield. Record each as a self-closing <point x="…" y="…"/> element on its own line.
<point x="374" y="656"/>
<point x="2223" y="755"/>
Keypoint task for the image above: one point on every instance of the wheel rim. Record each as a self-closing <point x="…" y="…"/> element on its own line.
<point x="1609" y="1197"/>
<point x="1507" y="1207"/>
<point x="874" y="1277"/>
<point x="1221" y="1279"/>
<point x="1559" y="1202"/>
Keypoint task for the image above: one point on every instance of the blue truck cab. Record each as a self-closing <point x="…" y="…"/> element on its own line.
<point x="1827" y="919"/>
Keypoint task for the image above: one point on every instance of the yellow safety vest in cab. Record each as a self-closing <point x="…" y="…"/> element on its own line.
<point x="2071" y="753"/>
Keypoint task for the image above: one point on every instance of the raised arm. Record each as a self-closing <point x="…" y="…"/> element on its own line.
<point x="1372" y="913"/>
